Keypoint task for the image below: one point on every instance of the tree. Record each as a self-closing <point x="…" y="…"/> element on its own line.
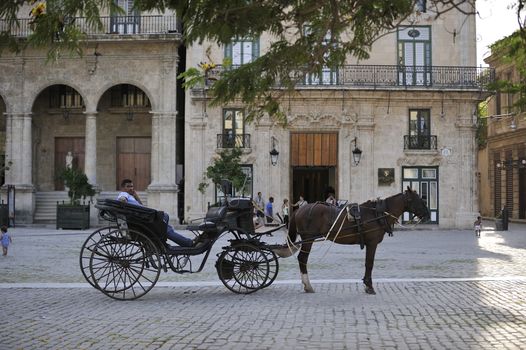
<point x="225" y="166"/>
<point x="308" y="35"/>
<point x="77" y="185"/>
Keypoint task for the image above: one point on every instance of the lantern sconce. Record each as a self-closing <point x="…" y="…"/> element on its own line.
<point x="356" y="153"/>
<point x="273" y="152"/>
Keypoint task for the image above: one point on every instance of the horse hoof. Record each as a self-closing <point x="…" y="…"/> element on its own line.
<point x="308" y="290"/>
<point x="370" y="290"/>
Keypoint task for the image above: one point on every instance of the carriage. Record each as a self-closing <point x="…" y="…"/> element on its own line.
<point x="124" y="260"/>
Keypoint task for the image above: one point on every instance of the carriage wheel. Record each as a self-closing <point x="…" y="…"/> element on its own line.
<point x="125" y="265"/>
<point x="273" y="266"/>
<point x="243" y="268"/>
<point x="87" y="249"/>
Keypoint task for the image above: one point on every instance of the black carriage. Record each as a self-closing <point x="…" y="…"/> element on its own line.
<point x="124" y="260"/>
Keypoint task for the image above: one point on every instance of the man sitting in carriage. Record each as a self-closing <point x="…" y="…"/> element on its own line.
<point x="129" y="196"/>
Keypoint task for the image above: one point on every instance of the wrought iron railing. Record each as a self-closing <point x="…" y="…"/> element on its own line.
<point x="231" y="141"/>
<point x="384" y="76"/>
<point x="124" y="25"/>
<point x="420" y="142"/>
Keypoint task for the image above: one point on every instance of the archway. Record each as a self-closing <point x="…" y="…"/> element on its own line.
<point x="124" y="137"/>
<point x="58" y="129"/>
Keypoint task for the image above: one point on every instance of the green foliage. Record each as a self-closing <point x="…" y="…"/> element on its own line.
<point x="77" y="183"/>
<point x="225" y="166"/>
<point x="307" y="36"/>
<point x="512" y="50"/>
<point x="482" y="125"/>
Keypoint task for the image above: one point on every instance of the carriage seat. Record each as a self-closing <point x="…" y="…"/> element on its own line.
<point x="215" y="214"/>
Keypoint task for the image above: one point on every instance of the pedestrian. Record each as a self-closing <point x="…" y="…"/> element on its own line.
<point x="6" y="239"/>
<point x="269" y="210"/>
<point x="285" y="211"/>
<point x="477" y="226"/>
<point x="330" y="199"/>
<point x="259" y="204"/>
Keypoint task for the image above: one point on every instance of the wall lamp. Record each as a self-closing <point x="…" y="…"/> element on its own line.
<point x="356" y="153"/>
<point x="130" y="115"/>
<point x="273" y="152"/>
<point x="66" y="113"/>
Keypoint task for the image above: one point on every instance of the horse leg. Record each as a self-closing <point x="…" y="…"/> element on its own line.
<point x="303" y="257"/>
<point x="370" y="251"/>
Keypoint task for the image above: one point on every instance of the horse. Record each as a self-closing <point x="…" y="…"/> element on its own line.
<point x="364" y="224"/>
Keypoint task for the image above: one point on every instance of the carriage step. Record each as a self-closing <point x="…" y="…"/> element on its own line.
<point x="200" y="248"/>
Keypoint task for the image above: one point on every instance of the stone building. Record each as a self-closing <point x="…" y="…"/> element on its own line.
<point x="410" y="109"/>
<point x="502" y="162"/>
<point x="114" y="109"/>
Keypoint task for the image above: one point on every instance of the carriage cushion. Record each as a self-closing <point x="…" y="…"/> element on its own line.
<point x="215" y="214"/>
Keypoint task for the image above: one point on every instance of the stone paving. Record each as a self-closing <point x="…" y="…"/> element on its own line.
<point x="435" y="290"/>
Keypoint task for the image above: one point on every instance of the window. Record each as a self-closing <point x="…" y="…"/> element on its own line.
<point x="245" y="191"/>
<point x="62" y="96"/>
<point x="233" y="129"/>
<point x="419" y="129"/>
<point x="127" y="23"/>
<point x="326" y="76"/>
<point x="126" y="95"/>
<point x="414" y="55"/>
<point x="423" y="180"/>
<point x="242" y="51"/>
<point x="421" y="6"/>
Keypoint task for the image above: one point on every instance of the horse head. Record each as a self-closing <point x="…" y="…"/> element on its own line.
<point x="415" y="205"/>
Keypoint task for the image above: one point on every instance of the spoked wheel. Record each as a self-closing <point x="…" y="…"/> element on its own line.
<point x="243" y="268"/>
<point x="273" y="266"/>
<point x="125" y="265"/>
<point x="87" y="249"/>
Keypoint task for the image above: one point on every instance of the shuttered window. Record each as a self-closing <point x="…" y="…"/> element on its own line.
<point x="242" y="51"/>
<point x="414" y="55"/>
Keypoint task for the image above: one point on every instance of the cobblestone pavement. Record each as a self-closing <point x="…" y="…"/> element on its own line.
<point x="438" y="289"/>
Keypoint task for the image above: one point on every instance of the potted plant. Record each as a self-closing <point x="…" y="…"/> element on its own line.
<point x="74" y="215"/>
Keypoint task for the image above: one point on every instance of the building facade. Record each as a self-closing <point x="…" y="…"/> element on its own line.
<point x="113" y="111"/>
<point x="502" y="162"/>
<point x="410" y="109"/>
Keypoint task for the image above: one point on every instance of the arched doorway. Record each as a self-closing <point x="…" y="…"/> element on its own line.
<point x="58" y="130"/>
<point x="124" y="137"/>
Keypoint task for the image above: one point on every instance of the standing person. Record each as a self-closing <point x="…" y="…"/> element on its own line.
<point x="301" y="202"/>
<point x="477" y="225"/>
<point x="129" y="196"/>
<point x="6" y="240"/>
<point x="285" y="211"/>
<point x="269" y="210"/>
<point x="260" y="207"/>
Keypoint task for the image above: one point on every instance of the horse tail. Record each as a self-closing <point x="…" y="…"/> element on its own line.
<point x="289" y="248"/>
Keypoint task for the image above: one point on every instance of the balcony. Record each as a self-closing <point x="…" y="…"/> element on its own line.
<point x="395" y="76"/>
<point x="121" y="25"/>
<point x="231" y="141"/>
<point x="420" y="142"/>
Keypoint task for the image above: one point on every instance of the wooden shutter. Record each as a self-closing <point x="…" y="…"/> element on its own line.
<point x="314" y="149"/>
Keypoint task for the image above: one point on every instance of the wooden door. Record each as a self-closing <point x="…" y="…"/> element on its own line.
<point x="314" y="149"/>
<point x="134" y="161"/>
<point x="63" y="145"/>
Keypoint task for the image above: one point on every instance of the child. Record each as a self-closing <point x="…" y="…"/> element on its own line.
<point x="5" y="238"/>
<point x="477" y="225"/>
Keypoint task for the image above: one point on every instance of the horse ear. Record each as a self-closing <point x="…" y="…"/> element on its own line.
<point x="409" y="189"/>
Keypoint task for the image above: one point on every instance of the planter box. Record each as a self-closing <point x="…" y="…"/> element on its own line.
<point x="499" y="225"/>
<point x="72" y="216"/>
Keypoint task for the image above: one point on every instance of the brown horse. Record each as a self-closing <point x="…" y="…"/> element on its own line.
<point x="364" y="224"/>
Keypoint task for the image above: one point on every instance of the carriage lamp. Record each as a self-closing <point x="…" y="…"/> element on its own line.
<point x="356" y="154"/>
<point x="274" y="152"/>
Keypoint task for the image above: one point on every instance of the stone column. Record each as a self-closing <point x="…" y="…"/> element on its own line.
<point x="162" y="192"/>
<point x="90" y="158"/>
<point x="466" y="200"/>
<point x="19" y="152"/>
